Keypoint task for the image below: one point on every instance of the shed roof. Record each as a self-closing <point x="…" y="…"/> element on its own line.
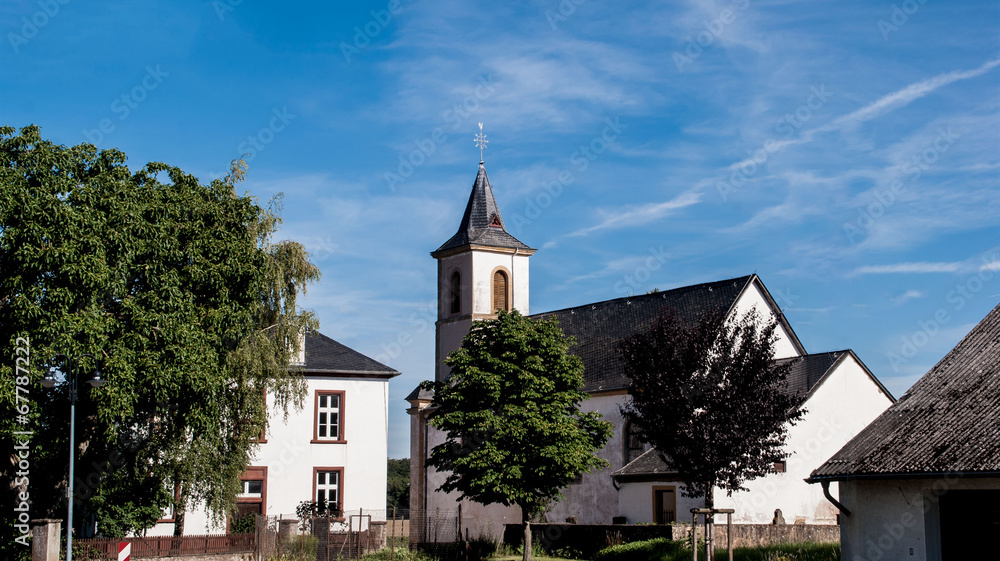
<point x="948" y="422"/>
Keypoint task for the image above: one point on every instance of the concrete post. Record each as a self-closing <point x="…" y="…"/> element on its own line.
<point x="45" y="539"/>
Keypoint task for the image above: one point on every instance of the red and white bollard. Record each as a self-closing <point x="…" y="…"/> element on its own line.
<point x="124" y="551"/>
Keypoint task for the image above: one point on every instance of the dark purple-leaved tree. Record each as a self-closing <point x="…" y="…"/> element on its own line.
<point x="709" y="396"/>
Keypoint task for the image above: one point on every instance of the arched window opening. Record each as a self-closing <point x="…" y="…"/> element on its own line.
<point x="634" y="446"/>
<point x="500" y="291"/>
<point x="456" y="293"/>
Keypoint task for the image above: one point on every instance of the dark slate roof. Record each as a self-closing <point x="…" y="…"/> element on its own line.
<point x="948" y="422"/>
<point x="419" y="393"/>
<point x="650" y="465"/>
<point x="599" y="327"/>
<point x="806" y="371"/>
<point x="324" y="355"/>
<point x="479" y="213"/>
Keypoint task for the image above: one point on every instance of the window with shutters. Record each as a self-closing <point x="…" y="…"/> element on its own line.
<point x="456" y="293"/>
<point x="500" y="299"/>
<point x="328" y="418"/>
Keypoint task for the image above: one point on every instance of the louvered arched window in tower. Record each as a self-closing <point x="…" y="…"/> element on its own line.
<point x="500" y="299"/>
<point x="456" y="293"/>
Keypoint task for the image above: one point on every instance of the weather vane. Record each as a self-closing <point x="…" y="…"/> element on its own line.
<point x="481" y="142"/>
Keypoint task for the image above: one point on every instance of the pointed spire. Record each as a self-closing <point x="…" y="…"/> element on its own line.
<point x="482" y="223"/>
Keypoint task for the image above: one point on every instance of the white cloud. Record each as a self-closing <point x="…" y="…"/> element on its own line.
<point x="918" y="267"/>
<point x="907" y="296"/>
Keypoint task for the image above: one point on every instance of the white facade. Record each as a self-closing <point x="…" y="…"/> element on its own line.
<point x="296" y="459"/>
<point x="845" y="401"/>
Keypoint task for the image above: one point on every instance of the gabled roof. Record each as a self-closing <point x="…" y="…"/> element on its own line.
<point x="481" y="224"/>
<point x="326" y="356"/>
<point x="650" y="466"/>
<point x="948" y="422"/>
<point x="600" y="326"/>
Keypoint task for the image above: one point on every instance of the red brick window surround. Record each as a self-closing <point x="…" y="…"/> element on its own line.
<point x="328" y="486"/>
<point x="328" y="417"/>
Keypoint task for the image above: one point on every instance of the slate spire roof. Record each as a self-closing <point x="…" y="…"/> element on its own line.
<point x="948" y="422"/>
<point x="482" y="224"/>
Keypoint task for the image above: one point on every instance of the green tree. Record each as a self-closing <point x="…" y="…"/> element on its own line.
<point x="398" y="484"/>
<point x="710" y="397"/>
<point x="510" y="412"/>
<point x="185" y="300"/>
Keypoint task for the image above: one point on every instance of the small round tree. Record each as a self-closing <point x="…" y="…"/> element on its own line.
<point x="510" y="412"/>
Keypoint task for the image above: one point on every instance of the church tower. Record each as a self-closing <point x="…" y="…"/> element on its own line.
<point x="481" y="269"/>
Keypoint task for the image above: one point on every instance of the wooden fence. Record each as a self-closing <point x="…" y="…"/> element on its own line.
<point x="165" y="546"/>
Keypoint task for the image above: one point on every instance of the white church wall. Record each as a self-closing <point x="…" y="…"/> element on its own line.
<point x="484" y="263"/>
<point x="839" y="408"/>
<point x="753" y="298"/>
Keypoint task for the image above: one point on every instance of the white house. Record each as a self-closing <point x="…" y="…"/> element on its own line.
<point x="922" y="482"/>
<point x="483" y="268"/>
<point x="333" y="449"/>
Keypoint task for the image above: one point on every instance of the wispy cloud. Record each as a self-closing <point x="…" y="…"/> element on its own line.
<point x="918" y="267"/>
<point x="633" y="216"/>
<point x="907" y="296"/>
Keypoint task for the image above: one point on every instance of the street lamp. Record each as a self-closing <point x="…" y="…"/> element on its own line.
<point x="49" y="381"/>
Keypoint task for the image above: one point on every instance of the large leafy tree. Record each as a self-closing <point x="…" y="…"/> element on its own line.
<point x="510" y="412"/>
<point x="187" y="304"/>
<point x="398" y="484"/>
<point x="709" y="396"/>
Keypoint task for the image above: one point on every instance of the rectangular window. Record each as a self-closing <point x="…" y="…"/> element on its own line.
<point x="328" y="486"/>
<point x="779" y="467"/>
<point x="328" y="424"/>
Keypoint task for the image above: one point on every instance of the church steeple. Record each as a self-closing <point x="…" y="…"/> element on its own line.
<point x="481" y="224"/>
<point x="481" y="269"/>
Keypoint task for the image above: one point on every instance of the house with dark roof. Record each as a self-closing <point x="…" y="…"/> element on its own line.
<point x="333" y="449"/>
<point x="483" y="268"/>
<point x="922" y="481"/>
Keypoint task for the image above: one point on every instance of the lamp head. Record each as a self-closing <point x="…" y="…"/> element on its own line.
<point x="49" y="380"/>
<point x="97" y="381"/>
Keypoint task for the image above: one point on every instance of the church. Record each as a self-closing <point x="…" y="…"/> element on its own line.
<point x="483" y="268"/>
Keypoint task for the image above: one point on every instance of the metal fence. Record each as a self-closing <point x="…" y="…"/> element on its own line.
<point x="166" y="546"/>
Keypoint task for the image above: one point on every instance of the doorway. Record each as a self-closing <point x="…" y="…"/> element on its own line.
<point x="664" y="504"/>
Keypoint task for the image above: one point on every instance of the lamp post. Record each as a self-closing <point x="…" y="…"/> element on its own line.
<point x="49" y="381"/>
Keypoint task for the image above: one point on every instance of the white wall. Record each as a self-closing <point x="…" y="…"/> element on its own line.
<point x="888" y="517"/>
<point x="290" y="457"/>
<point x="753" y="298"/>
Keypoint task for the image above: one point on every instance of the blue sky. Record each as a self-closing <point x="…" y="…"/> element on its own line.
<point x="846" y="152"/>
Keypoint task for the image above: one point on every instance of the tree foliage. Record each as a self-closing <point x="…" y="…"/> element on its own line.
<point x="185" y="300"/>
<point x="398" y="484"/>
<point x="709" y="396"/>
<point x="510" y="412"/>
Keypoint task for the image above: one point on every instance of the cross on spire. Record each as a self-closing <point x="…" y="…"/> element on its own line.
<point x="481" y="142"/>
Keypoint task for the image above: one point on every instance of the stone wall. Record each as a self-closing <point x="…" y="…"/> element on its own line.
<point x="588" y="539"/>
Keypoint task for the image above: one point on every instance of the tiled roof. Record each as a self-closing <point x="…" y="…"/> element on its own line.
<point x="325" y="355"/>
<point x="475" y="228"/>
<point x="948" y="422"/>
<point x="651" y="464"/>
<point x="599" y="327"/>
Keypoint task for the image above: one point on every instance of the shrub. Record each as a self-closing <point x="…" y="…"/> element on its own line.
<point x="646" y="550"/>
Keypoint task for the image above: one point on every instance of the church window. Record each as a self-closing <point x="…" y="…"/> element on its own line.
<point x="455" y="293"/>
<point x="634" y="446"/>
<point x="500" y="291"/>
